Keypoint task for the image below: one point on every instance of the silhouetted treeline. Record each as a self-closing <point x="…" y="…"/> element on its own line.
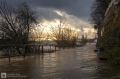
<point x="98" y="10"/>
<point x="15" y="22"/>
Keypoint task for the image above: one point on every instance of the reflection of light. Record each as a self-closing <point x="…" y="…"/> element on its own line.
<point x="54" y="38"/>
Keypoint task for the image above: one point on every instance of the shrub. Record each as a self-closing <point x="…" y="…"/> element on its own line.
<point x="113" y="54"/>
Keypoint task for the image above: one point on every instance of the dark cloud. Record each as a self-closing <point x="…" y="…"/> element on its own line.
<point x="74" y="12"/>
<point x="78" y="8"/>
<point x="46" y="13"/>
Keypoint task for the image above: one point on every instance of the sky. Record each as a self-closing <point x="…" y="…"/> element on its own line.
<point x="74" y="12"/>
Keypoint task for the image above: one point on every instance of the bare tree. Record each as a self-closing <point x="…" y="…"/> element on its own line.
<point x="98" y="10"/>
<point x="26" y="17"/>
<point x="64" y="33"/>
<point x="36" y="33"/>
<point x="16" y="22"/>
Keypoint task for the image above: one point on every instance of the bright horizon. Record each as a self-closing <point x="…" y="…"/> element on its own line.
<point x="46" y="25"/>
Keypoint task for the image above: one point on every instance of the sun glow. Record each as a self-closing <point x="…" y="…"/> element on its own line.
<point x="44" y="29"/>
<point x="59" y="13"/>
<point x="55" y="23"/>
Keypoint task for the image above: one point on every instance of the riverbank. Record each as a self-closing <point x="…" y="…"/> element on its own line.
<point x="109" y="37"/>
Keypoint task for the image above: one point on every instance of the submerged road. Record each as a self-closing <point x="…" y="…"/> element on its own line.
<point x="73" y="63"/>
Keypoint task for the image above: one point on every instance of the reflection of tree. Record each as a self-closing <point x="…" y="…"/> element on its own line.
<point x="64" y="33"/>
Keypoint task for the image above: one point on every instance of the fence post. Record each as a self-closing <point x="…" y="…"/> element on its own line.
<point x="24" y="51"/>
<point x="39" y="49"/>
<point x="42" y="49"/>
<point x="55" y="47"/>
<point x="34" y="50"/>
<point x="9" y="55"/>
<point x="50" y="48"/>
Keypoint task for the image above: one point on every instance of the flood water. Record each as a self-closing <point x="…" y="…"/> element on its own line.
<point x="72" y="63"/>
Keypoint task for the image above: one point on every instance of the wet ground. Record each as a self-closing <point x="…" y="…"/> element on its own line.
<point x="73" y="63"/>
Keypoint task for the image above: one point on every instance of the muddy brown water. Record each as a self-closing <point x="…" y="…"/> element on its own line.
<point x="73" y="63"/>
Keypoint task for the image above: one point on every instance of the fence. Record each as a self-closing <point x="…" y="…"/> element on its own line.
<point x="35" y="48"/>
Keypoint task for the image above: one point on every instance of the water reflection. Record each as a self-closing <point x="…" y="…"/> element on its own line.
<point x="74" y="63"/>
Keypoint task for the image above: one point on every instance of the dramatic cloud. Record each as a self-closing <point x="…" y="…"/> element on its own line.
<point x="74" y="12"/>
<point x="78" y="8"/>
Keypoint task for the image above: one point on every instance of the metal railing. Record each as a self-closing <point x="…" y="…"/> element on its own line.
<point x="41" y="49"/>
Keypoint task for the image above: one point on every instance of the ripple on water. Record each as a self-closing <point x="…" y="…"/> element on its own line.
<point x="74" y="63"/>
